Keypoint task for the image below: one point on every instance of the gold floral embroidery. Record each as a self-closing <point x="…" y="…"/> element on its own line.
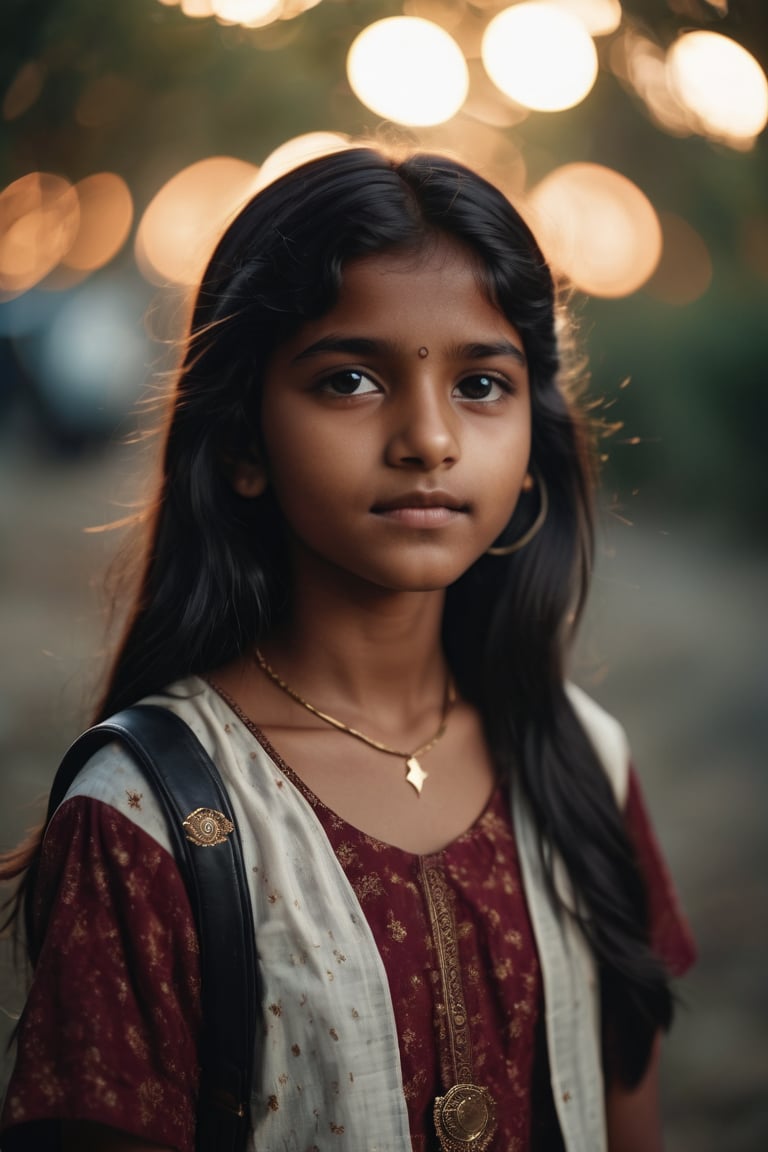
<point x="368" y="886"/>
<point x="396" y="929"/>
<point x="466" y="1115"/>
<point x="346" y="854"/>
<point x="415" y="1086"/>
<point x="505" y="969"/>
<point x="150" y="1099"/>
<point x="444" y="934"/>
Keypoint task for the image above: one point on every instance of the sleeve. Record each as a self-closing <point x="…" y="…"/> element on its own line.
<point x="110" y="1030"/>
<point x="671" y="936"/>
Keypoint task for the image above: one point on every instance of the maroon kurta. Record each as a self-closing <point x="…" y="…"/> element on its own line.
<point x="110" y="1030"/>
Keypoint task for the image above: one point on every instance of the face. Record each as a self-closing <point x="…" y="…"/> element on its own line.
<point x="397" y="426"/>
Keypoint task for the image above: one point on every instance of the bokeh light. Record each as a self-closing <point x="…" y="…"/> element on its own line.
<point x="642" y="64"/>
<point x="600" y="17"/>
<point x="23" y="91"/>
<point x="182" y="223"/>
<point x="293" y="8"/>
<point x="39" y="219"/>
<point x="721" y="83"/>
<point x="197" y="9"/>
<point x="540" y="55"/>
<point x="250" y="13"/>
<point x="597" y="228"/>
<point x="106" y="214"/>
<point x="408" y="70"/>
<point x="684" y="271"/>
<point x="449" y="14"/>
<point x="487" y="103"/>
<point x="89" y="357"/>
<point x="297" y="151"/>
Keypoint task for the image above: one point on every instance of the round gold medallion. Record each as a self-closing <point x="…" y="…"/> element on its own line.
<point x="206" y="827"/>
<point x="465" y="1118"/>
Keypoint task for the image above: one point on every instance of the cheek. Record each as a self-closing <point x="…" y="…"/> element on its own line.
<point x="512" y="453"/>
<point x="510" y="477"/>
<point x="307" y="478"/>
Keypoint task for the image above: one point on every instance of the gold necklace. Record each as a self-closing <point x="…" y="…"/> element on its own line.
<point x="415" y="774"/>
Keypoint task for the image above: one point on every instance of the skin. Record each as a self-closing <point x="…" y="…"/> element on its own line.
<point x="355" y="420"/>
<point x="633" y="1118"/>
<point x="361" y="430"/>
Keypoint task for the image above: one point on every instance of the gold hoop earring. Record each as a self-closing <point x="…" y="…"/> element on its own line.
<point x="535" y="528"/>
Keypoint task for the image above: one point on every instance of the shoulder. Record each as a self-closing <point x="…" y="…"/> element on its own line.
<point x="607" y="737"/>
<point x="113" y="777"/>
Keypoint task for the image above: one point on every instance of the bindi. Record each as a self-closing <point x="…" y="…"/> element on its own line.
<point x="423" y="352"/>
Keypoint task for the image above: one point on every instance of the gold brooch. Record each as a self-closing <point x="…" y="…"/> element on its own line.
<point x="206" y="827"/>
<point x="465" y="1118"/>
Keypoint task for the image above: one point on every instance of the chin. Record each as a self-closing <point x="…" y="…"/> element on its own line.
<point x="426" y="581"/>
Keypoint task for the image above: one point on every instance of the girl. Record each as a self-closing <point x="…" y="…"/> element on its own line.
<point x="365" y="563"/>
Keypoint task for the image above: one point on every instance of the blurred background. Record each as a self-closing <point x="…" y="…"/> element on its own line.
<point x="631" y="134"/>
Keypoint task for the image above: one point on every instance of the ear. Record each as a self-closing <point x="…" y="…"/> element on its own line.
<point x="248" y="475"/>
<point x="249" y="478"/>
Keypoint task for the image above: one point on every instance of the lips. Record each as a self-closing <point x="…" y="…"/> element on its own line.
<point x="422" y="499"/>
<point x="421" y="510"/>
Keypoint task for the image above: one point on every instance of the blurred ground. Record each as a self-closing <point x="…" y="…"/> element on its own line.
<point x="675" y="643"/>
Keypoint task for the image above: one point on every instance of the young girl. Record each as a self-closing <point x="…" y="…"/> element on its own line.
<point x="363" y="568"/>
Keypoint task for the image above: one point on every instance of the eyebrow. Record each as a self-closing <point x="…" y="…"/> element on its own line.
<point x="352" y="345"/>
<point x="484" y="351"/>
<point x="365" y="346"/>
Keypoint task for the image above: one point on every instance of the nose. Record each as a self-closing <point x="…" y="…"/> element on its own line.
<point x="424" y="431"/>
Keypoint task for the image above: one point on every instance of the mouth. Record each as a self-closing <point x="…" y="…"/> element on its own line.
<point x="422" y="498"/>
<point x="422" y="509"/>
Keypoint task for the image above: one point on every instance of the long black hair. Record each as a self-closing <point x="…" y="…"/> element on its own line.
<point x="216" y="568"/>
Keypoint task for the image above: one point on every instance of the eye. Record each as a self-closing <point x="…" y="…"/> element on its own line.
<point x="481" y="387"/>
<point x="349" y="383"/>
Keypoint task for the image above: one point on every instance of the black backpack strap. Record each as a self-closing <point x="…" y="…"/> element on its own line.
<point x="207" y="846"/>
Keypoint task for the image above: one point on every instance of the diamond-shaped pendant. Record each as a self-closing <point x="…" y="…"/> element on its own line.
<point x="416" y="774"/>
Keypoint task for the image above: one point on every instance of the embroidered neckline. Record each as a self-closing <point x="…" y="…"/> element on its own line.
<point x="315" y="802"/>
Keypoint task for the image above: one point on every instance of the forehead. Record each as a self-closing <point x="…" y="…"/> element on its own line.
<point x="449" y="266"/>
<point x="436" y="292"/>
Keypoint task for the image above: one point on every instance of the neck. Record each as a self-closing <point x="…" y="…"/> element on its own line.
<point x="367" y="647"/>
